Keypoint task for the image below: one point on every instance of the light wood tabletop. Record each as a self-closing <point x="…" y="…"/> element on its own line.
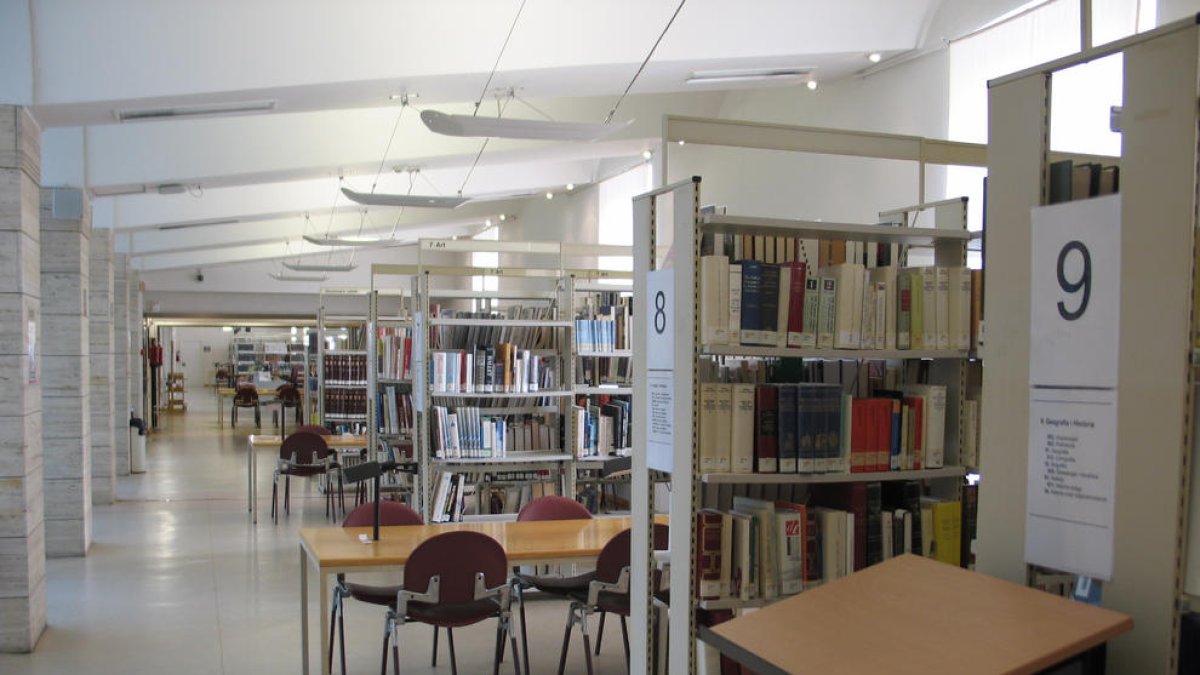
<point x="916" y="615"/>
<point x="523" y="542"/>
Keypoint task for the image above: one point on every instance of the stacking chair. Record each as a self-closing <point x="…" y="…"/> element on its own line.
<point x="550" y="507"/>
<point x="454" y="579"/>
<point x="390" y="513"/>
<point x="304" y="454"/>
<point x="608" y="592"/>
<point x="289" y="398"/>
<point x="314" y="429"/>
<point x="246" y="397"/>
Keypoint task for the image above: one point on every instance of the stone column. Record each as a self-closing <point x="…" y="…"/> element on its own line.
<point x="121" y="370"/>
<point x="136" y="316"/>
<point x="22" y="535"/>
<point x="100" y="361"/>
<point x="67" y="464"/>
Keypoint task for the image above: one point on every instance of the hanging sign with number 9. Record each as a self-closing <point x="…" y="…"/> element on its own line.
<point x="1075" y="293"/>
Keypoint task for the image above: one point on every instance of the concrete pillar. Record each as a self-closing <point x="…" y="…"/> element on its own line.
<point x="136" y="316"/>
<point x="100" y="362"/>
<point x="67" y="464"/>
<point x="22" y="535"/>
<point x="121" y="370"/>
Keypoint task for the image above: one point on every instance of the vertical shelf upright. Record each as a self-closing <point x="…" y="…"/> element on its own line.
<point x="1157" y="328"/>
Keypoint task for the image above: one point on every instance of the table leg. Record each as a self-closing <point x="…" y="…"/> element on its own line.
<point x="303" y="611"/>
<point x="220" y="410"/>
<point x="324" y="577"/>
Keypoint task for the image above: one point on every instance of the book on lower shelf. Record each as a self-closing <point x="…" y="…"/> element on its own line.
<point x="478" y="433"/>
<point x="758" y="550"/>
<point x="456" y="494"/>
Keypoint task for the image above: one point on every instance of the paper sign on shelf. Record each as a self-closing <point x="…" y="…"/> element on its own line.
<point x="659" y="318"/>
<point x="1075" y="293"/>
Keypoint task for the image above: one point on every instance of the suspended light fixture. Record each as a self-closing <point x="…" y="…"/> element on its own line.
<point x="416" y="201"/>
<point x="280" y="276"/>
<point x="319" y="267"/>
<point x="537" y="130"/>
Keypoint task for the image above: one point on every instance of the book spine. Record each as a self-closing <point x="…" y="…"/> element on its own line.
<point x="812" y="303"/>
<point x="766" y="443"/>
<point x="751" y="305"/>
<point x="735" y="304"/>
<point x="786" y="420"/>
<point x="708" y="555"/>
<point x="796" y="306"/>
<point x="827" y="318"/>
<point x="742" y="429"/>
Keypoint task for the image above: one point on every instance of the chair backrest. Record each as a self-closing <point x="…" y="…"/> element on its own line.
<point x="553" y="507"/>
<point x="614" y="557"/>
<point x="390" y="513"/>
<point x="246" y="395"/>
<point x="303" y="447"/>
<point x="456" y="557"/>
<point x="288" y="394"/>
<point x="314" y="429"/>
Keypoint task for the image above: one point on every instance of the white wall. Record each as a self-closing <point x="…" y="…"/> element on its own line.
<point x="196" y="365"/>
<point x="911" y="98"/>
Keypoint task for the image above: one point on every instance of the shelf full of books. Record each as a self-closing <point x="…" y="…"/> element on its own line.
<point x="491" y="391"/>
<point x="342" y="369"/>
<point x="826" y="372"/>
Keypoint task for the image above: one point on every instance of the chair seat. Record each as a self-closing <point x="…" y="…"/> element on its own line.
<point x="302" y="471"/>
<point x="451" y="615"/>
<point x="557" y="585"/>
<point x="613" y="603"/>
<point x="375" y="595"/>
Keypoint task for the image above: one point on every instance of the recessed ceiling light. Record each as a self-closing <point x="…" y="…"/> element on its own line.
<point x="487" y="223"/>
<point x="682" y="142"/>
<point x="874" y="57"/>
<point x="570" y="186"/>
<point x="811" y="84"/>
<point x="503" y="217"/>
<point x="646" y="154"/>
<point x="549" y="195"/>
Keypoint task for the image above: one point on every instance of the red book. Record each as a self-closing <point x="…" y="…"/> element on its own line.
<point x="796" y="303"/>
<point x="883" y="432"/>
<point x="708" y="554"/>
<point x="858" y="435"/>
<point x="405" y="373"/>
<point x="766" y="429"/>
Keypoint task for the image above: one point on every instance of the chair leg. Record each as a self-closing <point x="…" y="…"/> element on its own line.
<point x="433" y="660"/>
<point x="287" y="495"/>
<point x="512" y="637"/>
<point x="233" y="416"/>
<point x="625" y="638"/>
<point x="600" y="632"/>
<point x="333" y="615"/>
<point x="275" y="498"/>
<point x="562" y="658"/>
<point x="342" y="635"/>
<point x="453" y="656"/>
<point x="587" y="647"/>
<point x="387" y="636"/>
<point x="395" y="649"/>
<point x="498" y="649"/>
<point x="524" y="630"/>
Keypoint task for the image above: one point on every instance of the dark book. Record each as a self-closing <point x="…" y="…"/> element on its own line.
<point x="1060" y="181"/>
<point x="812" y="548"/>
<point x="906" y="495"/>
<point x="708" y="554"/>
<point x="766" y="429"/>
<point x="788" y="447"/>
<point x="808" y="412"/>
<point x="970" y="518"/>
<point x="850" y="497"/>
<point x="751" y="295"/>
<point x="875" y="523"/>
<point x="769" y="317"/>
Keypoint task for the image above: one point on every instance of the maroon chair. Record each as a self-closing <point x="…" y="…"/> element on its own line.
<point x="608" y="592"/>
<point x="314" y="429"/>
<point x="390" y="513"/>
<point x="550" y="507"/>
<point x="289" y="397"/>
<point x="246" y="396"/>
<point x="304" y="454"/>
<point x="454" y="579"/>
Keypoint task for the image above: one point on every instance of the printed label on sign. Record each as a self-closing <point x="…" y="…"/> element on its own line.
<point x="1071" y="480"/>
<point x="660" y="419"/>
<point x="660" y="376"/>
<point x="1075" y="293"/>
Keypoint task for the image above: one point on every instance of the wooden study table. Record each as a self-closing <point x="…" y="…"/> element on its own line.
<point x="266" y="390"/>
<point x="335" y="443"/>
<point x="914" y="615"/>
<point x="329" y="551"/>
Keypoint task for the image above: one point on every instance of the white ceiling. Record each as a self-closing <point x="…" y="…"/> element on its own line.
<point x="330" y="68"/>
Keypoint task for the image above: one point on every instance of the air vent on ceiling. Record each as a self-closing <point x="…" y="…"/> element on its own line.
<point x="198" y="223"/>
<point x="203" y="110"/>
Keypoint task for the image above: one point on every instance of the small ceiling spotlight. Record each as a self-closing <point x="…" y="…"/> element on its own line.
<point x="874" y="57"/>
<point x="570" y="186"/>
<point x="811" y="84"/>
<point x="646" y="154"/>
<point x="549" y="195"/>
<point x="503" y="217"/>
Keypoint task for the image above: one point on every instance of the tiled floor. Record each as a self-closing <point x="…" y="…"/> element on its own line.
<point x="178" y="581"/>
